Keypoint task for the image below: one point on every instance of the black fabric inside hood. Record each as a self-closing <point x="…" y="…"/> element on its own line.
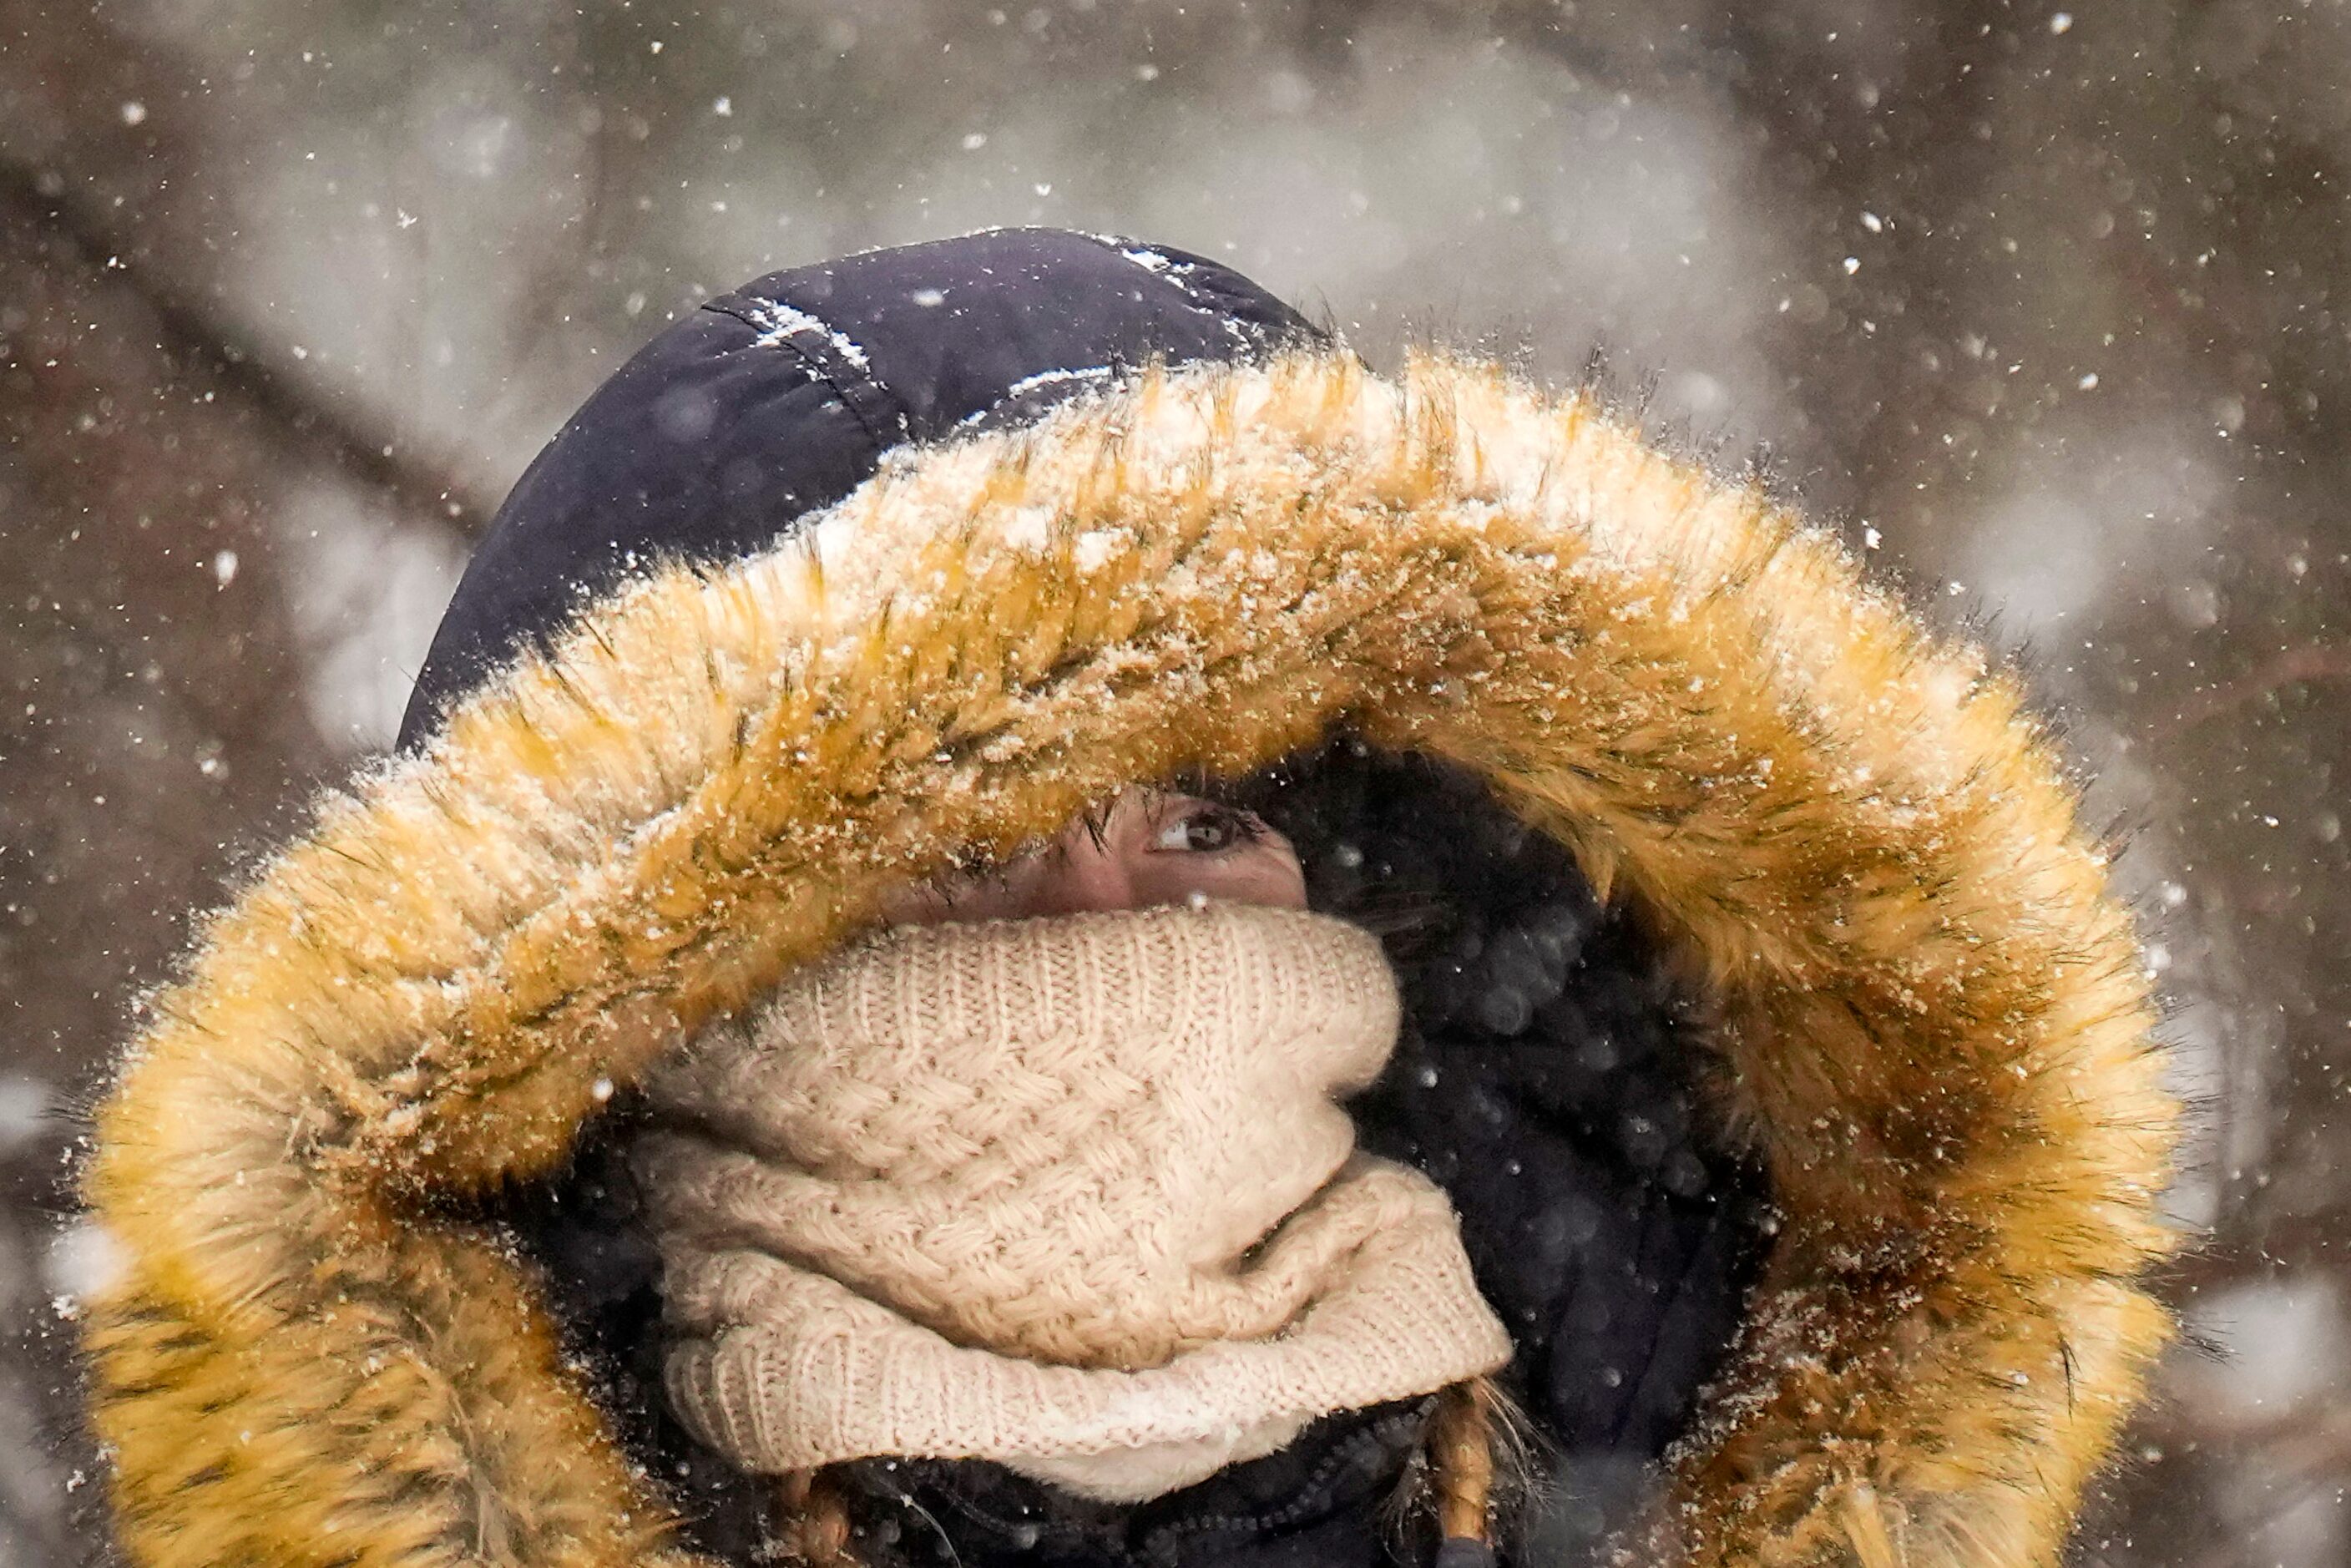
<point x="1549" y="1076"/>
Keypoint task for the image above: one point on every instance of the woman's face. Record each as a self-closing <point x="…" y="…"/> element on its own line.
<point x="1150" y="848"/>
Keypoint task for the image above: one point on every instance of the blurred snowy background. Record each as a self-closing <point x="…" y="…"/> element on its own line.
<point x="2048" y="311"/>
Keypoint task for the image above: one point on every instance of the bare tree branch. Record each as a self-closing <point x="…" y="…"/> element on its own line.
<point x="2304" y="662"/>
<point x="193" y="333"/>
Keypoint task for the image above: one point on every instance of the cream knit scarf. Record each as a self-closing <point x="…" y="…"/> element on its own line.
<point x="1074" y="1195"/>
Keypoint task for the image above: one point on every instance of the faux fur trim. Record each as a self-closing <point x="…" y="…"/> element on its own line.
<point x="1934" y="1021"/>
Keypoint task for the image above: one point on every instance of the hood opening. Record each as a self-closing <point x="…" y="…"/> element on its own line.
<point x="1552" y="1074"/>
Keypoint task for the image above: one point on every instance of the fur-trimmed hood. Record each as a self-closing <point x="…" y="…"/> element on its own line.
<point x="1928" y="1017"/>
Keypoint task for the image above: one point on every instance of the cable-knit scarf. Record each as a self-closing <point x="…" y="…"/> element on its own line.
<point x="1074" y="1194"/>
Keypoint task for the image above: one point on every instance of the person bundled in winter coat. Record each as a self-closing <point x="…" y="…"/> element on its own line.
<point x="1026" y="917"/>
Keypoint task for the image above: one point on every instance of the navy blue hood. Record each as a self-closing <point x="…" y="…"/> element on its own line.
<point x="772" y="403"/>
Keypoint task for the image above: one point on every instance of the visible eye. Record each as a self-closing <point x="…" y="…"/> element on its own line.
<point x="1201" y="828"/>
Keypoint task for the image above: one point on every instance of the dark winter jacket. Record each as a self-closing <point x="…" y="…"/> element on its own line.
<point x="1768" y="1021"/>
